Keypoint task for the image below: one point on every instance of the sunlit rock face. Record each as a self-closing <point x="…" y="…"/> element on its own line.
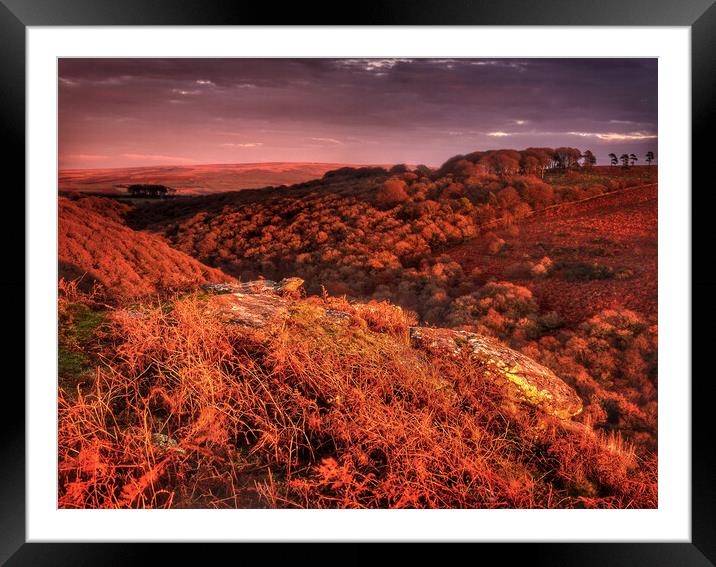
<point x="529" y="381"/>
<point x="252" y="304"/>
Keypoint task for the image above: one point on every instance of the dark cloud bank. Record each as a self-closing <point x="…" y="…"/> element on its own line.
<point x="120" y="112"/>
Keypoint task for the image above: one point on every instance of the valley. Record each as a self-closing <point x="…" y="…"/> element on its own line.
<point x="492" y="280"/>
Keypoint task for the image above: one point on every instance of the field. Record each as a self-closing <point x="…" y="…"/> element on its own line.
<point x="192" y="179"/>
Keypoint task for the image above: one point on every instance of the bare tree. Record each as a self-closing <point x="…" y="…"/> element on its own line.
<point x="589" y="158"/>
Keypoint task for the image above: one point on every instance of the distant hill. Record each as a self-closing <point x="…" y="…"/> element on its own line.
<point x="194" y="179"/>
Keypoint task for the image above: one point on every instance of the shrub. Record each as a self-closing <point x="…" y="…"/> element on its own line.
<point x="495" y="244"/>
<point x="391" y="193"/>
<point x="508" y="197"/>
<point x="542" y="268"/>
<point x="538" y="194"/>
<point x="496" y="308"/>
<point x="528" y="269"/>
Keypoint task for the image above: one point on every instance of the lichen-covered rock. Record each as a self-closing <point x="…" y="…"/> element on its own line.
<point x="249" y="309"/>
<point x="530" y="381"/>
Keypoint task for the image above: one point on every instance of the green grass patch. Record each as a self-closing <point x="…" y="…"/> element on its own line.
<point x="76" y="330"/>
<point x="584" y="271"/>
<point x="86" y="323"/>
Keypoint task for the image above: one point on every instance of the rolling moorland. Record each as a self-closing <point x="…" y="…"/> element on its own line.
<point x="192" y="179"/>
<point x="483" y="334"/>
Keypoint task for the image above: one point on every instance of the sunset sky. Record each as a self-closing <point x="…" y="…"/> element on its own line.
<point x="137" y="112"/>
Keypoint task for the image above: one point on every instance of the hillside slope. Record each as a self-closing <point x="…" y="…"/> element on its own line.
<point x="596" y="249"/>
<point x="94" y="245"/>
<point x="398" y="236"/>
<point x="261" y="398"/>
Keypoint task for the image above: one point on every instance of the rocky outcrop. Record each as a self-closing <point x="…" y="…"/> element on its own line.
<point x="256" y="304"/>
<point x="255" y="310"/>
<point x="253" y="304"/>
<point x="531" y="382"/>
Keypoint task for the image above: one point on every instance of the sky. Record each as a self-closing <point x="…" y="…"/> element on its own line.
<point x="141" y="112"/>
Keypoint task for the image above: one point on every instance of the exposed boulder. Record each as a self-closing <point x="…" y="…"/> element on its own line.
<point x="530" y="381"/>
<point x="253" y="304"/>
<point x="249" y="309"/>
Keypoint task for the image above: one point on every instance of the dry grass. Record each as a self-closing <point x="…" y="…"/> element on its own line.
<point x="95" y="247"/>
<point x="181" y="410"/>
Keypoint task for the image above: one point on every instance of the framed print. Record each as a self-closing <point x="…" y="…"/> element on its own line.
<point x="425" y="276"/>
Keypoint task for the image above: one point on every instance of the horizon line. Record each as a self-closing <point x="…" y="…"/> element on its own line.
<point x="236" y="163"/>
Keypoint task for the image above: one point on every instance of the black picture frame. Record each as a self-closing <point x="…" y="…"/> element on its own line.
<point x="699" y="15"/>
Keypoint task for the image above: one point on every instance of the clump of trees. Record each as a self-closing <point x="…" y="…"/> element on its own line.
<point x="532" y="161"/>
<point x="150" y="190"/>
<point x="354" y="172"/>
<point x="630" y="159"/>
